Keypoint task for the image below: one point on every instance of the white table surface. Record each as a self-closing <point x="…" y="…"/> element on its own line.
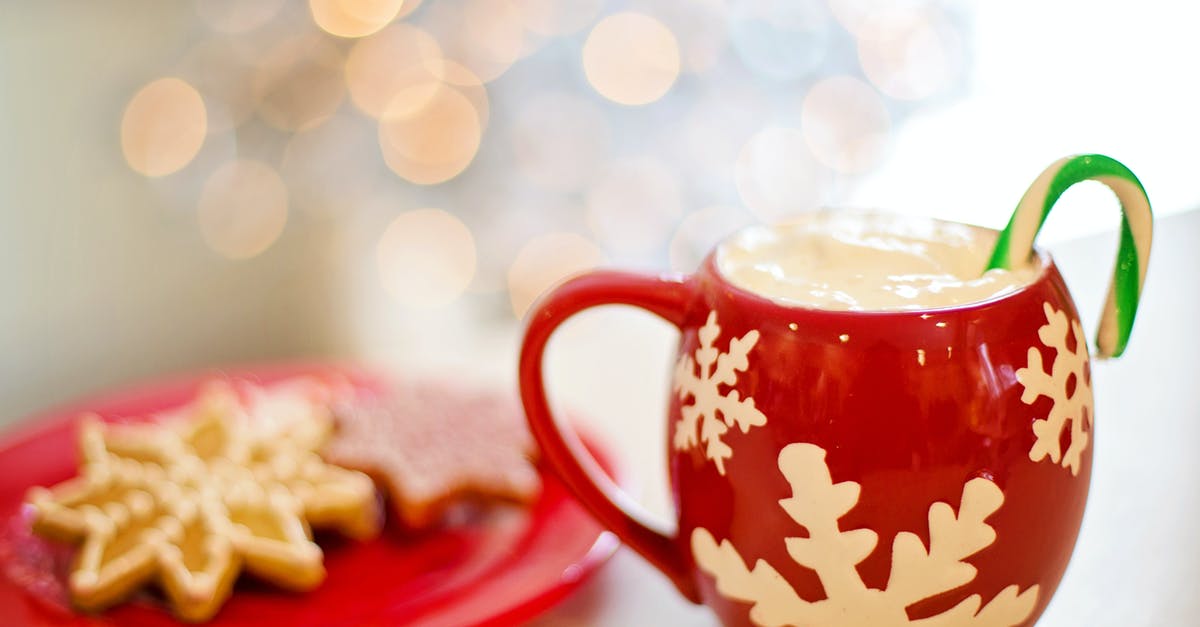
<point x="1137" y="560"/>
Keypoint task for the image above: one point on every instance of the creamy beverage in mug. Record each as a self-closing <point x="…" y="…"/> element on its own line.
<point x="868" y="261"/>
<point x="874" y="420"/>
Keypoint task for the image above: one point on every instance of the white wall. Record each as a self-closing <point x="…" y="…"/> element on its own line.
<point x="102" y="280"/>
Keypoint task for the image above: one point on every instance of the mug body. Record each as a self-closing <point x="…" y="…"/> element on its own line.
<point x="877" y="468"/>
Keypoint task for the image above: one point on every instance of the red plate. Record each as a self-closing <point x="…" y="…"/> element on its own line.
<point x="502" y="569"/>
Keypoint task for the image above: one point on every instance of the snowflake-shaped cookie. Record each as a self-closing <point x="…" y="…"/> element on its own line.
<point x="192" y="500"/>
<point x="712" y="412"/>
<point x="1067" y="384"/>
<point x="917" y="572"/>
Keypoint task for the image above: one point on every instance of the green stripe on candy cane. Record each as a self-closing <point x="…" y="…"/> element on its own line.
<point x="1015" y="244"/>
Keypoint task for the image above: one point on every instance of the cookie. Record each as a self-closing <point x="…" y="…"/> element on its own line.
<point x="430" y="446"/>
<point x="192" y="500"/>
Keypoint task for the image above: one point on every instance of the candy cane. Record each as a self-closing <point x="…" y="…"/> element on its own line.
<point x="1015" y="244"/>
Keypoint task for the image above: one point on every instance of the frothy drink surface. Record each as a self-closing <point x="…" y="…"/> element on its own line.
<point x="864" y="261"/>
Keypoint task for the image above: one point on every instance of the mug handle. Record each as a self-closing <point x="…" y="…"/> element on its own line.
<point x="667" y="297"/>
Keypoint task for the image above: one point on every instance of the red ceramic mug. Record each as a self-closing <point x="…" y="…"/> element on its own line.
<point x="924" y="467"/>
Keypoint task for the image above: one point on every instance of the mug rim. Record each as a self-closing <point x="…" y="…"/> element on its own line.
<point x="711" y="267"/>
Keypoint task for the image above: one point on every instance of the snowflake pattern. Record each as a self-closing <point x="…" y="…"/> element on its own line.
<point x="917" y="573"/>
<point x="712" y="413"/>
<point x="1067" y="384"/>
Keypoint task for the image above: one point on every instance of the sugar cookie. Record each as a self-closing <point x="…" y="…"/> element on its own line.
<point x="191" y="500"/>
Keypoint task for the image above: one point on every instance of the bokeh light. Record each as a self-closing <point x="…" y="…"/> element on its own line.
<point x="243" y="209"/>
<point x="530" y="122"/>
<point x="631" y="58"/>
<point x="428" y="138"/>
<point x="379" y="67"/>
<point x="910" y="56"/>
<point x="486" y="36"/>
<point x="299" y="83"/>
<point x="462" y="79"/>
<point x="633" y="207"/>
<point x="426" y="258"/>
<point x="556" y="17"/>
<point x="543" y="262"/>
<point x="845" y="124"/>
<point x="777" y="175"/>
<point x="404" y="58"/>
<point x="163" y="127"/>
<point x="559" y="140"/>
<point x="782" y="40"/>
<point x="353" y="18"/>
<point x="700" y="231"/>
<point x="237" y="16"/>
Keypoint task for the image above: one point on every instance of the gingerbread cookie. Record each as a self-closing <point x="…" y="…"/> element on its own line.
<point x="430" y="446"/>
<point x="192" y="500"/>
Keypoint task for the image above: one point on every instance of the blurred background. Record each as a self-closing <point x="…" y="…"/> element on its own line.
<point x="189" y="184"/>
